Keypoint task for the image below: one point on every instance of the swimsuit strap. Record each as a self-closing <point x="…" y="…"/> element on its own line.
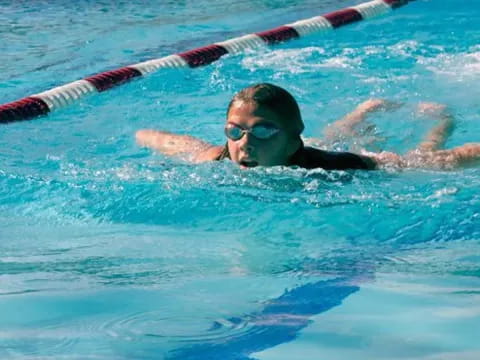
<point x="225" y="154"/>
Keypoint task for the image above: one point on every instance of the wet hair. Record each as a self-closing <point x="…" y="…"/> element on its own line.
<point x="277" y="100"/>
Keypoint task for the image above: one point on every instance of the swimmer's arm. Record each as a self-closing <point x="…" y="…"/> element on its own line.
<point x="185" y="146"/>
<point x="461" y="156"/>
<point x="345" y="126"/>
<point x="437" y="136"/>
<point x="386" y="159"/>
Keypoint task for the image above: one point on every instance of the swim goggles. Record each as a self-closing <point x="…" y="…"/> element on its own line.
<point x="262" y="132"/>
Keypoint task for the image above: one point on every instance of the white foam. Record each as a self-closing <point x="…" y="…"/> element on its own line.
<point x="300" y="60"/>
<point x="405" y="48"/>
<point x="459" y="66"/>
<point x="388" y="79"/>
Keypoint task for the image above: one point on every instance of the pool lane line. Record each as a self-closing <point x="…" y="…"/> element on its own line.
<point x="47" y="101"/>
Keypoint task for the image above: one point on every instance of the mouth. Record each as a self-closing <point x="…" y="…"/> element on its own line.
<point x="248" y="163"/>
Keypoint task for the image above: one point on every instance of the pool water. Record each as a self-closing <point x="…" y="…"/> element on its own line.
<point x="110" y="251"/>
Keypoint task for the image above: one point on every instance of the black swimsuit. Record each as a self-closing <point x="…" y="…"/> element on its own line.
<point x="311" y="158"/>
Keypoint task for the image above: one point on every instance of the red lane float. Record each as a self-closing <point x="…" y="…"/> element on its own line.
<point x="279" y="34"/>
<point x="23" y="109"/>
<point x="343" y="17"/>
<point x="47" y="101"/>
<point x="204" y="55"/>
<point x="109" y="79"/>
<point x="396" y="3"/>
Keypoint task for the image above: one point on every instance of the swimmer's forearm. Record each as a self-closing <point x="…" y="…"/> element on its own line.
<point x="170" y="144"/>
<point x="465" y="155"/>
<point x="345" y="126"/>
<point x="462" y="155"/>
<point x="436" y="137"/>
<point x="368" y="107"/>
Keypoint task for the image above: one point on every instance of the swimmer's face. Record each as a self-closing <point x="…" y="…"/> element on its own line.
<point x="250" y="151"/>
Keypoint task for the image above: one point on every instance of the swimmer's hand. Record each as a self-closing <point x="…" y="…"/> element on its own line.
<point x="434" y="110"/>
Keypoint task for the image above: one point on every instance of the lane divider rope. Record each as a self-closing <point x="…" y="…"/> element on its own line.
<point x="47" y="101"/>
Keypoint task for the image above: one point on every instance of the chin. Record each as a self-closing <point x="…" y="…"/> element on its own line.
<point x="248" y="164"/>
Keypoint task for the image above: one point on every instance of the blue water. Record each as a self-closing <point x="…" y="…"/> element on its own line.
<point x="109" y="251"/>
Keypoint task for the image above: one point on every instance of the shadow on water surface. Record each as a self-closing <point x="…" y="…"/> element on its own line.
<point x="278" y="322"/>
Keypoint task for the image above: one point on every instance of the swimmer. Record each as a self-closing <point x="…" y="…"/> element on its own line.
<point x="264" y="127"/>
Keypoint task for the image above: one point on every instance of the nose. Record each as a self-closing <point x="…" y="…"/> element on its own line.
<point x="246" y="144"/>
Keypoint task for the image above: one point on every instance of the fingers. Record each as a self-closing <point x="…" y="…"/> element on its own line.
<point x="144" y="137"/>
<point x="432" y="109"/>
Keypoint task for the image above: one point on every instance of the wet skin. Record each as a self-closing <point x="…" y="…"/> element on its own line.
<point x="250" y="151"/>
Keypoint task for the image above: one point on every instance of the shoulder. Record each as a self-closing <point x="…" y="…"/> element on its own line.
<point x="335" y="160"/>
<point x="210" y="154"/>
